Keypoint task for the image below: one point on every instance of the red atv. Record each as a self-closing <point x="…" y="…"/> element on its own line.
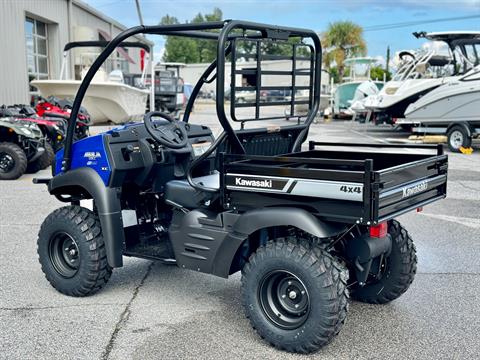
<point x="54" y="107"/>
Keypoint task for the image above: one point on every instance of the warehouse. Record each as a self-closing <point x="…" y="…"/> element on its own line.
<point x="192" y="72"/>
<point x="33" y="34"/>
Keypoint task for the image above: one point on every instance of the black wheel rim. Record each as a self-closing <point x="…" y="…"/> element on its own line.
<point x="7" y="162"/>
<point x="284" y="299"/>
<point x="64" y="254"/>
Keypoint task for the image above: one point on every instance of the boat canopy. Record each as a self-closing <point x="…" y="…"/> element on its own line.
<point x="448" y="36"/>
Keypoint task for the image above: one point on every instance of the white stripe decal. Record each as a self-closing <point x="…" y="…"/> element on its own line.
<point x="308" y="187"/>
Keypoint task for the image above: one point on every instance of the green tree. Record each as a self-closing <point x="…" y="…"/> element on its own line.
<point x="179" y="49"/>
<point x="188" y="50"/>
<point x="342" y="39"/>
<point x="207" y="49"/>
<point x="377" y="73"/>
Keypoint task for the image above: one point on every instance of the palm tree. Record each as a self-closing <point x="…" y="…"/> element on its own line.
<point x="342" y="39"/>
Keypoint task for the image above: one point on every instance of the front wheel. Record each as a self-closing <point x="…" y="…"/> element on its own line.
<point x="398" y="270"/>
<point x="295" y="295"/>
<point x="13" y="161"/>
<point x="72" y="252"/>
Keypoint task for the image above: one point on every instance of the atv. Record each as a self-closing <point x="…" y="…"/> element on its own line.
<point x="52" y="129"/>
<point x="22" y="148"/>
<point x="53" y="107"/>
<point x="306" y="227"/>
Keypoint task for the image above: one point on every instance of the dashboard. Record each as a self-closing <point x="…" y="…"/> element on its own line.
<point x="135" y="157"/>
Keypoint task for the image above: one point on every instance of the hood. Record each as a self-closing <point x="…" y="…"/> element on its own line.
<point x="21" y="127"/>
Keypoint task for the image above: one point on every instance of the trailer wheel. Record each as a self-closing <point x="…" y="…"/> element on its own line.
<point x="398" y="270"/>
<point x="295" y="295"/>
<point x="13" y="161"/>
<point x="72" y="252"/>
<point x="458" y="137"/>
<point x="43" y="161"/>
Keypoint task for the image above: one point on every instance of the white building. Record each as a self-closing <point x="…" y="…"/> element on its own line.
<point x="192" y="72"/>
<point x="33" y="34"/>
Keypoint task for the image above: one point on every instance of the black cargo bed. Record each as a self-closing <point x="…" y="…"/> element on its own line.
<point x="343" y="182"/>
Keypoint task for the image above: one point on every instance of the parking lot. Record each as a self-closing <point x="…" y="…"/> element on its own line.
<point x="154" y="311"/>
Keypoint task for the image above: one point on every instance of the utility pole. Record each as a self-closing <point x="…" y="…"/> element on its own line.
<point x="387" y="65"/>
<point x="139" y="11"/>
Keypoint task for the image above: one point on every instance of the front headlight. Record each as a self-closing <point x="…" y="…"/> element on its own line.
<point x="26" y="131"/>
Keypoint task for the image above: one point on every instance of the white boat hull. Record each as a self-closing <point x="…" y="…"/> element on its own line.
<point x="105" y="101"/>
<point x="457" y="101"/>
<point x="394" y="92"/>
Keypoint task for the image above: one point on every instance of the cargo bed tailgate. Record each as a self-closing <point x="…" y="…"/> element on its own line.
<point x="405" y="187"/>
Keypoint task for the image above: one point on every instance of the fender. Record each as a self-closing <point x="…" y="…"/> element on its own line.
<point x="466" y="126"/>
<point x="107" y="202"/>
<point x="258" y="219"/>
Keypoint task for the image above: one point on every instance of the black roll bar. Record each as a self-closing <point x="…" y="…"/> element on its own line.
<point x="103" y="44"/>
<point x="204" y="31"/>
<point x="204" y="79"/>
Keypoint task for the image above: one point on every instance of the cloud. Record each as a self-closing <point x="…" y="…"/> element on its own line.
<point x="383" y="5"/>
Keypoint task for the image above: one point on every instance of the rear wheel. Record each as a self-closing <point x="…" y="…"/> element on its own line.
<point x="72" y="252"/>
<point x="458" y="137"/>
<point x="44" y="161"/>
<point x="13" y="161"/>
<point x="398" y="270"/>
<point x="294" y="295"/>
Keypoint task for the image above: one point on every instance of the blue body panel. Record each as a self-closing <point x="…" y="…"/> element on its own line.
<point x="89" y="152"/>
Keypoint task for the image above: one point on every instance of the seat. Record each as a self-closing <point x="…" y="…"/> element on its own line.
<point x="180" y="192"/>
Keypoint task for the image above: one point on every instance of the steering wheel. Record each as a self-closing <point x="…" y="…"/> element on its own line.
<point x="172" y="135"/>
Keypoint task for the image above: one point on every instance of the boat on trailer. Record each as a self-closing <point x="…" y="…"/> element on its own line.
<point x="109" y="99"/>
<point x="423" y="71"/>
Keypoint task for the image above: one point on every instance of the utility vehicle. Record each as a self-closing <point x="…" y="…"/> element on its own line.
<point x="22" y="148"/>
<point x="305" y="228"/>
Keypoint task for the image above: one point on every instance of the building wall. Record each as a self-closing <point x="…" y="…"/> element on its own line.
<point x="192" y="72"/>
<point x="13" y="65"/>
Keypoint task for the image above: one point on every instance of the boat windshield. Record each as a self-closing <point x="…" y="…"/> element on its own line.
<point x="472" y="75"/>
<point x="429" y="62"/>
<point x="439" y="59"/>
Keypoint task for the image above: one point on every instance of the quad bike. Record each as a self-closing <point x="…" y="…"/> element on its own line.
<point x="52" y="129"/>
<point x="53" y="107"/>
<point x="305" y="228"/>
<point x="22" y="148"/>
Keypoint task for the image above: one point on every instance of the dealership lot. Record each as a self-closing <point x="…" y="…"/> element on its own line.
<point x="153" y="311"/>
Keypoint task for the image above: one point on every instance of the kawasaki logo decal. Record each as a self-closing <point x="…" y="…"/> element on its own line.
<point x="415" y="189"/>
<point x="253" y="183"/>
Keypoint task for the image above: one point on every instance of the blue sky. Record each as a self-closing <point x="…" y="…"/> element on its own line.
<point x="313" y="14"/>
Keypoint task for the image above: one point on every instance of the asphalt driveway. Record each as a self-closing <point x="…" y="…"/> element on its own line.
<point x="154" y="311"/>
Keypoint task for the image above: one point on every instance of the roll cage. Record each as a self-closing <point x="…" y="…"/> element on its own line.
<point x="225" y="33"/>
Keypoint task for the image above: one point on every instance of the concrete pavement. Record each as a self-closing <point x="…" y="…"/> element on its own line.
<point x="154" y="311"/>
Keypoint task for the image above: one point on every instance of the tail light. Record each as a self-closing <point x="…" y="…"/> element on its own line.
<point x="379" y="231"/>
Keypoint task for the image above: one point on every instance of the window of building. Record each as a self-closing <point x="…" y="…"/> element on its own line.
<point x="37" y="50"/>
